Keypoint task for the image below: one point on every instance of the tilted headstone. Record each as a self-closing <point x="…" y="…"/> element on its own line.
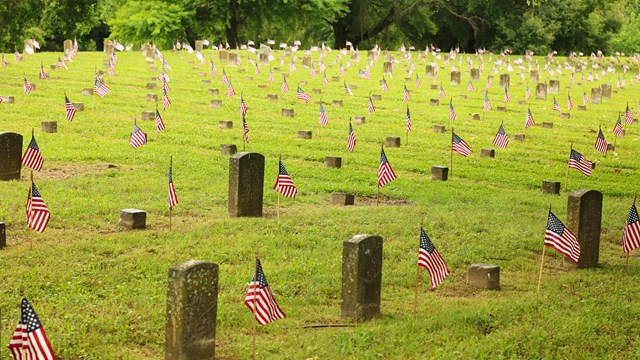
<point x="440" y="173"/>
<point x="484" y="276"/>
<point x="551" y="187"/>
<point x="554" y="87"/>
<point x="541" y="91"/>
<point x="361" y="277"/>
<point x="606" y="91"/>
<point x="133" y="219"/>
<point x="192" y="308"/>
<point x="342" y="198"/>
<point x="505" y="80"/>
<point x="305" y="134"/>
<point x="596" y="96"/>
<point x="246" y="184"/>
<point x="392" y="142"/>
<point x="333" y="162"/>
<point x="455" y="78"/>
<point x="3" y="235"/>
<point x="584" y="216"/>
<point x="10" y="155"/>
<point x="49" y="127"/>
<point x="534" y="75"/>
<point x="475" y="74"/>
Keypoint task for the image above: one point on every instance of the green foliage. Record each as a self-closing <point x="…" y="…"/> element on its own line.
<point x="628" y="39"/>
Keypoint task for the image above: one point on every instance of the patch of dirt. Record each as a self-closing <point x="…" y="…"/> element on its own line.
<point x="372" y="201"/>
<point x="69" y="171"/>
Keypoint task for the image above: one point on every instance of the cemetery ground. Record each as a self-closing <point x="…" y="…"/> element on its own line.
<point x="100" y="290"/>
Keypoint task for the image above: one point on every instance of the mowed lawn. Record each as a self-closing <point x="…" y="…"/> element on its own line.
<point x="100" y="291"/>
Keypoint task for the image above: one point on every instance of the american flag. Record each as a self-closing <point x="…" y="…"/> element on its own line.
<point x="37" y="212"/>
<point x="442" y="94"/>
<point x="245" y="131"/>
<point x="4" y="61"/>
<point x="529" y="120"/>
<point x="303" y="95"/>
<point x="164" y="76"/>
<point x="347" y="90"/>
<point x="43" y="74"/>
<point x="418" y="83"/>
<point x="370" y="106"/>
<point x="569" y="103"/>
<point x="32" y="157"/>
<point x="385" y="87"/>
<point x="292" y="66"/>
<point x="385" y="172"/>
<point x="213" y="69"/>
<point x="489" y="82"/>
<point x="243" y="107"/>
<point x="407" y="97"/>
<point x="257" y="70"/>
<point x="165" y="64"/>
<point x="271" y="78"/>
<point x="165" y="99"/>
<point x="408" y="120"/>
<point x="430" y="259"/>
<point x="577" y="161"/>
<point x="159" y="122"/>
<point x="112" y="68"/>
<point x="17" y="56"/>
<point x="452" y="111"/>
<point x="312" y="72"/>
<point x="230" y="91"/>
<point x="223" y="78"/>
<point x="470" y="86"/>
<point x="260" y="299"/>
<point x="27" y="87"/>
<point x="165" y="86"/>
<point x="631" y="235"/>
<point x="628" y="116"/>
<point x="502" y="139"/>
<point x="507" y="97"/>
<point x="527" y="94"/>
<point x="351" y="139"/>
<point x="363" y="74"/>
<point x="556" y="107"/>
<point x="585" y="98"/>
<point x="173" y="198"/>
<point x="561" y="238"/>
<point x="460" y="146"/>
<point x="323" y="118"/>
<point x="325" y="81"/>
<point x="487" y="104"/>
<point x="138" y="137"/>
<point x="284" y="185"/>
<point x="617" y="129"/>
<point x="341" y="69"/>
<point x="601" y="143"/>
<point x="29" y="341"/>
<point x="100" y="88"/>
<point x="285" y="86"/>
<point x="70" y="110"/>
<point x="61" y="64"/>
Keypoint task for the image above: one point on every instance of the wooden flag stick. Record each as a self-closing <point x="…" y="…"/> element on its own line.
<point x="170" y="207"/>
<point x="566" y="183"/>
<point x="30" y="212"/>
<point x="255" y="280"/>
<point x="541" y="267"/>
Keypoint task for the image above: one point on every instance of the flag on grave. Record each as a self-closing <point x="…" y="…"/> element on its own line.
<point x="430" y="259"/>
<point x="32" y="157"/>
<point x="243" y="107"/>
<point x="507" y="97"/>
<point x="323" y="118"/>
<point x="285" y="86"/>
<point x="617" y="129"/>
<point x="70" y="110"/>
<point x="385" y="87"/>
<point x="452" y="111"/>
<point x="303" y="95"/>
<point x="406" y="97"/>
<point x="351" y="139"/>
<point x="487" y="103"/>
<point x="37" y="212"/>
<point x="29" y="340"/>
<point x="284" y="185"/>
<point x="556" y="107"/>
<point x="159" y="122"/>
<point x="561" y="238"/>
<point x="385" y="172"/>
<point x="26" y="87"/>
<point x="245" y="130"/>
<point x="631" y="235"/>
<point x="502" y="139"/>
<point x="577" y="161"/>
<point x="601" y="143"/>
<point x="173" y="198"/>
<point x="138" y="137"/>
<point x="370" y="106"/>
<point x="529" y="120"/>
<point x="408" y="120"/>
<point x="628" y="116"/>
<point x="260" y="300"/>
<point x="100" y="88"/>
<point x="230" y="91"/>
<point x="460" y="146"/>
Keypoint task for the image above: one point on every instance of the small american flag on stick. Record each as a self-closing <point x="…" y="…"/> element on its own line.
<point x="29" y="341"/>
<point x="561" y="238"/>
<point x="38" y="214"/>
<point x="260" y="300"/>
<point x="32" y="157"/>
<point x="631" y="235"/>
<point x="385" y="172"/>
<point x="70" y="110"/>
<point x="430" y="259"/>
<point x="284" y="185"/>
<point x="577" y="161"/>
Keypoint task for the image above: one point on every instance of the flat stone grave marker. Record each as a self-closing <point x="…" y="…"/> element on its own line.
<point x="287" y="112"/>
<point x="440" y="173"/>
<point x="87" y="92"/>
<point x="342" y="198"/>
<point x="434" y="102"/>
<point x="151" y="86"/>
<point x="304" y="134"/>
<point x="376" y="97"/>
<point x="225" y="124"/>
<point x="359" y="119"/>
<point x="554" y="87"/>
<point x="152" y="97"/>
<point x="272" y="97"/>
<point x="392" y="142"/>
<point x="551" y="187"/>
<point x="547" y="125"/>
<point x="214" y="92"/>
<point x="333" y="162"/>
<point x="148" y="115"/>
<point x="49" y="127"/>
<point x="216" y="104"/>
<point x="337" y="103"/>
<point x="519" y="137"/>
<point x="484" y="276"/>
<point x="78" y="106"/>
<point x="8" y="99"/>
<point x="228" y="149"/>
<point x="133" y="219"/>
<point x="439" y="129"/>
<point x="490" y="153"/>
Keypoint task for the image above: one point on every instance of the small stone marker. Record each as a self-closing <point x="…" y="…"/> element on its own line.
<point x="361" y="277"/>
<point x="192" y="308"/>
<point x="316" y="91"/>
<point x="206" y="81"/>
<point x="434" y="102"/>
<point x="376" y="97"/>
<point x="353" y="87"/>
<point x="519" y="137"/>
<point x="246" y="184"/>
<point x="505" y="80"/>
<point x="335" y="78"/>
<point x="8" y="99"/>
<point x="501" y="108"/>
<point x="434" y="86"/>
<point x="484" y="276"/>
<point x="596" y="96"/>
<point x="49" y="127"/>
<point x="3" y="235"/>
<point x="439" y="173"/>
<point x="522" y="102"/>
<point x="214" y="92"/>
<point x="228" y="149"/>
<point x="10" y="155"/>
<point x="551" y="187"/>
<point x="333" y="162"/>
<point x="430" y="70"/>
<point x="554" y="87"/>
<point x="216" y="104"/>
<point x="337" y="103"/>
<point x="359" y="119"/>
<point x="152" y="97"/>
<point x="151" y="86"/>
<point x="148" y="115"/>
<point x="439" y="129"/>
<point x="541" y="91"/>
<point x="103" y="72"/>
<point x="582" y="108"/>
<point x="606" y="91"/>
<point x="342" y="198"/>
<point x="287" y="112"/>
<point x="223" y="55"/>
<point x="272" y="97"/>
<point x="610" y="147"/>
<point x="534" y="75"/>
<point x="584" y="216"/>
<point x="262" y="86"/>
<point x="475" y="74"/>
<point x="565" y="116"/>
<point x="547" y="125"/>
<point x="53" y="67"/>
<point x="490" y="153"/>
<point x="475" y="116"/>
<point x="455" y="78"/>
<point x="133" y="219"/>
<point x="225" y="124"/>
<point x="392" y="142"/>
<point x="304" y="134"/>
<point x="87" y="92"/>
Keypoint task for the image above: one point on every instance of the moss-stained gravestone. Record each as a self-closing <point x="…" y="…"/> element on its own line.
<point x="192" y="307"/>
<point x="584" y="217"/>
<point x="10" y="155"/>
<point x="361" y="277"/>
<point x="246" y="184"/>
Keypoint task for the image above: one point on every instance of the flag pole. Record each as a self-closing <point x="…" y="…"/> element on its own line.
<point x="542" y="260"/>
<point x="627" y="262"/>
<point x="156" y="120"/>
<point x="566" y="183"/>
<point x="30" y="213"/>
<point x="616" y="136"/>
<point x="451" y="154"/>
<point x="406" y="129"/>
<point x="134" y="149"/>
<point x="170" y="207"/>
<point x="415" y="299"/>
<point x="255" y="279"/>
<point x="378" y="191"/>
<point x="278" y="210"/>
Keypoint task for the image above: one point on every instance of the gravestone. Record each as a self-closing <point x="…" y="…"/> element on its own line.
<point x="392" y="142"/>
<point x="439" y="129"/>
<point x="434" y="102"/>
<point x="551" y="187"/>
<point x="564" y="116"/>
<point x="430" y="71"/>
<point x="606" y="91"/>
<point x="361" y="277"/>
<point x="148" y="115"/>
<point x="455" y="78"/>
<point x="205" y="81"/>
<point x="216" y="104"/>
<point x="68" y="46"/>
<point x="342" y="198"/>
<point x="554" y="87"/>
<point x="192" y="308"/>
<point x="249" y="78"/>
<point x="53" y="66"/>
<point x="10" y="155"/>
<point x="596" y="96"/>
<point x="484" y="276"/>
<point x="490" y="153"/>
<point x="475" y="116"/>
<point x="333" y="162"/>
<point x="49" y="127"/>
<point x="199" y="45"/>
<point x="263" y="59"/>
<point x="78" y="106"/>
<point x="306" y="61"/>
<point x="223" y="55"/>
<point x="108" y="47"/>
<point x="439" y="173"/>
<point x="152" y="97"/>
<point x="151" y="86"/>
<point x="522" y="102"/>
<point x="547" y="125"/>
<point x="541" y="91"/>
<point x="287" y="112"/>
<point x="335" y="78"/>
<point x="133" y="219"/>
<point x="519" y="137"/>
<point x="228" y="149"/>
<point x="434" y="86"/>
<point x="3" y="235"/>
<point x="376" y="97"/>
<point x="233" y="59"/>
<point x="87" y="92"/>
<point x="359" y="119"/>
<point x="387" y="67"/>
<point x="337" y="103"/>
<point x="8" y="99"/>
<point x="316" y="91"/>
<point x="611" y="147"/>
<point x="534" y="75"/>
<point x="352" y="86"/>
<point x="462" y="96"/>
<point x="505" y="80"/>
<point x="501" y="108"/>
<point x="475" y="74"/>
<point x="582" y="108"/>
<point x="225" y="124"/>
<point x="272" y="97"/>
<point x="304" y="134"/>
<point x="246" y="184"/>
<point x="214" y="92"/>
<point x="584" y="215"/>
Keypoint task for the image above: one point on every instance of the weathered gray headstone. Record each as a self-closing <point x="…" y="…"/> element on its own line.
<point x="519" y="137"/>
<point x="214" y="92"/>
<point x="490" y="153"/>
<point x="316" y="91"/>
<point x="263" y="59"/>
<point x="192" y="308"/>
<point x="475" y="116"/>
<point x="199" y="45"/>
<point x="387" y="67"/>
<point x="565" y="115"/>
<point x="3" y="235"/>
<point x="551" y="187"/>
<point x="337" y="102"/>
<point x="8" y="99"/>
<point x="455" y="78"/>
<point x="359" y="119"/>
<point x="611" y="147"/>
<point x="554" y="87"/>
<point x="584" y="215"/>
<point x="501" y="108"/>
<point x="287" y="112"/>
<point x="68" y="45"/>
<point x="522" y="102"/>
<point x="53" y="66"/>
<point x="225" y="124"/>
<point x="10" y="155"/>
<point x="376" y="97"/>
<point x="430" y="71"/>
<point x="505" y="80"/>
<point x="205" y="81"/>
<point x="87" y="92"/>
<point x="361" y="277"/>
<point x="596" y="96"/>
<point x="133" y="219"/>
<point x="342" y="198"/>
<point x="246" y="184"/>
<point x="305" y="134"/>
<point x="475" y="74"/>
<point x="151" y="86"/>
<point x="272" y="97"/>
<point x="248" y="78"/>
<point x="353" y="86"/>
<point x="534" y="75"/>
<point x="582" y="108"/>
<point x="78" y="106"/>
<point x="547" y="125"/>
<point x="223" y="55"/>
<point x="49" y="127"/>
<point x="434" y="102"/>
<point x="440" y="173"/>
<point x="228" y="149"/>
<point x="152" y="97"/>
<point x="434" y="86"/>
<point x="392" y="142"/>
<point x="108" y="47"/>
<point x="333" y="161"/>
<point x="148" y="115"/>
<point x="306" y="61"/>
<point x="233" y="59"/>
<point x="335" y="78"/>
<point x="216" y="104"/>
<point x="606" y="91"/>
<point x="541" y="91"/>
<point x="104" y="72"/>
<point x="484" y="276"/>
<point x="439" y="129"/>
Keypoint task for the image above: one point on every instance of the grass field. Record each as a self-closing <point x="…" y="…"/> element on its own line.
<point x="100" y="291"/>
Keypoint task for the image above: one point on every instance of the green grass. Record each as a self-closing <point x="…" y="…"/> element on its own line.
<point x="101" y="291"/>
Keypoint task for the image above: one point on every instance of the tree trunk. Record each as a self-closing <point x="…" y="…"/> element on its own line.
<point x="232" y="26"/>
<point x="339" y="35"/>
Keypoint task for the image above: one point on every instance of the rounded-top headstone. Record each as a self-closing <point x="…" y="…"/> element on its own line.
<point x="10" y="155"/>
<point x="584" y="218"/>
